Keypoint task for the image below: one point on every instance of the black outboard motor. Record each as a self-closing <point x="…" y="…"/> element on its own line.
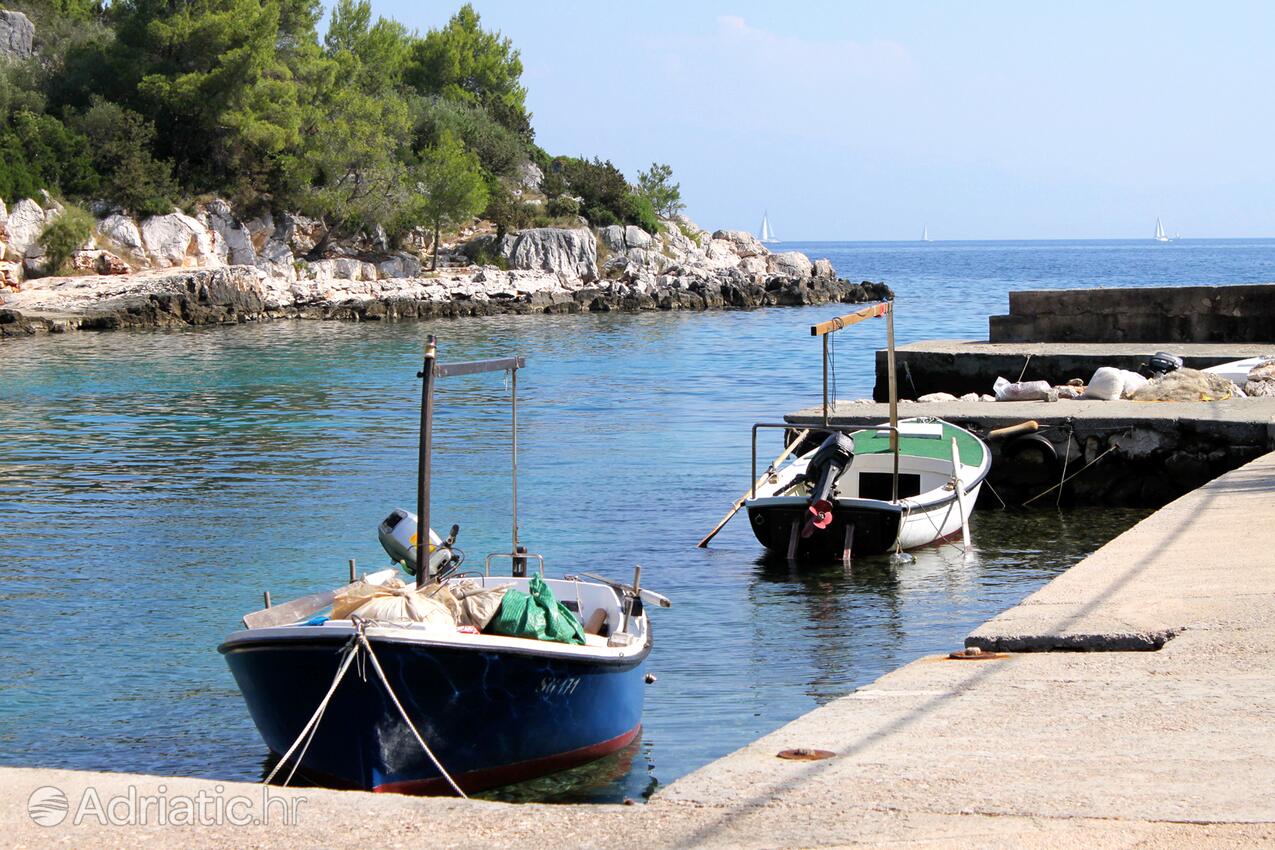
<point x="827" y="463"/>
<point x="1160" y="363"/>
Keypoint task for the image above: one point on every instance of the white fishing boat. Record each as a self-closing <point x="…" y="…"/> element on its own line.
<point x="863" y="491"/>
<point x="766" y="234"/>
<point x="853" y="494"/>
<point x="1160" y="235"/>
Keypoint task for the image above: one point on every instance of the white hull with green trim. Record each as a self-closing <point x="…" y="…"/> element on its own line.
<point x="866" y="517"/>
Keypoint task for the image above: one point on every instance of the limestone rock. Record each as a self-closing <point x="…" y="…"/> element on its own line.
<point x="108" y="263"/>
<point x="570" y="253"/>
<point x="276" y="260"/>
<point x="122" y="230"/>
<point x="234" y="246"/>
<point x="613" y="237"/>
<point x="932" y="397"/>
<point x="17" y="35"/>
<point x="260" y="230"/>
<point x="10" y="275"/>
<point x="530" y="177"/>
<point x="790" y="264"/>
<point x="636" y="237"/>
<point x="823" y="268"/>
<point x="24" y="225"/>
<point x="177" y="240"/>
<point x="399" y="265"/>
<point x="300" y="233"/>
<point x="742" y="242"/>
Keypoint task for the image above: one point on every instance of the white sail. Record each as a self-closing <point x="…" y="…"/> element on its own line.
<point x="767" y="235"/>
<point x="925" y="233"/>
<point x="1159" y="231"/>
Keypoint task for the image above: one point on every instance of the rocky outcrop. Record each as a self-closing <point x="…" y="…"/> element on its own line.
<point x="17" y="35"/>
<point x="571" y="253"/>
<point x="177" y="240"/>
<point x="25" y="222"/>
<point x="211" y="267"/>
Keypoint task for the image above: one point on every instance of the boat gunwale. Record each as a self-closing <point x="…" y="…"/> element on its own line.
<point x="297" y="636"/>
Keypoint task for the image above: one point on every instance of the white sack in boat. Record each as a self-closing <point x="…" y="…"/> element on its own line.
<point x="407" y="605"/>
<point x="391" y="602"/>
<point x="477" y="604"/>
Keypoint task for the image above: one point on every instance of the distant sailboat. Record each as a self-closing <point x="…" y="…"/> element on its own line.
<point x="925" y="233"/>
<point x="1160" y="235"/>
<point x="767" y="235"/>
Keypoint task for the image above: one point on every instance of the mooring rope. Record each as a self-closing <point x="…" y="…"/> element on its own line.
<point x="1109" y="450"/>
<point x="351" y="651"/>
<point x="376" y="665"/>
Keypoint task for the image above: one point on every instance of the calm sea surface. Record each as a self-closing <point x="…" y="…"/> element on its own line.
<point x="152" y="484"/>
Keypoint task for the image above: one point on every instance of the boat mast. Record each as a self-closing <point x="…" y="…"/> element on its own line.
<point x="422" y="462"/>
<point x="823" y="329"/>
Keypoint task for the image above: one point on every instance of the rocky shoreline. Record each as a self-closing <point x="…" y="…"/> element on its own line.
<point x="210" y="268"/>
<point x="234" y="295"/>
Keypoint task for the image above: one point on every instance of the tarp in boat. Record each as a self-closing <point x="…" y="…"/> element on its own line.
<point x="535" y="614"/>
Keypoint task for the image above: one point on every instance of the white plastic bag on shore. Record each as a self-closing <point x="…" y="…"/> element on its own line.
<point x="1021" y="391"/>
<point x="1107" y="384"/>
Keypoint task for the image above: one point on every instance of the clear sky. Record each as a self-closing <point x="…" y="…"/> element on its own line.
<point x="858" y="120"/>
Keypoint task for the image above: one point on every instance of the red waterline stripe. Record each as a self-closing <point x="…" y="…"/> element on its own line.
<point x="508" y="774"/>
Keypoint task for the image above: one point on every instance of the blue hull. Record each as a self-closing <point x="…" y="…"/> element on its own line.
<point x="491" y="717"/>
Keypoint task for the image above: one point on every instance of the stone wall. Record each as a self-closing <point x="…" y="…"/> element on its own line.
<point x="1161" y="314"/>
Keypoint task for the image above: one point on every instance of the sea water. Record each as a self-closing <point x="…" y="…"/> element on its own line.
<point x="153" y="484"/>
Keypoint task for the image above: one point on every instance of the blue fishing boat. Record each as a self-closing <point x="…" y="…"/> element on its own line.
<point x="428" y="688"/>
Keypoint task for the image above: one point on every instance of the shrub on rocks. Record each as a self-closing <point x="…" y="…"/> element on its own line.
<point x="64" y="235"/>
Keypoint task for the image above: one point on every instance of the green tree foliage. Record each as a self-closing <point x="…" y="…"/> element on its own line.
<point x="465" y="63"/>
<point x="63" y="236"/>
<point x="149" y="103"/>
<point x="40" y="152"/>
<point x="657" y="187"/>
<point x="350" y="168"/>
<point x="209" y="74"/>
<point x="500" y="150"/>
<point x="450" y="188"/>
<point x="121" y="144"/>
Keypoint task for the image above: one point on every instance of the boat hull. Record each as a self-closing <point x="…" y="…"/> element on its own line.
<point x="878" y="526"/>
<point x="875" y="528"/>
<point x="491" y="717"/>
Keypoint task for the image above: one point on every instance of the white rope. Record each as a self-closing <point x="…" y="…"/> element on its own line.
<point x="351" y="649"/>
<point x="376" y="665"/>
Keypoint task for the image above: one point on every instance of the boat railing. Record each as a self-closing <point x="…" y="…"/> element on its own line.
<point x="788" y="426"/>
<point x="514" y="557"/>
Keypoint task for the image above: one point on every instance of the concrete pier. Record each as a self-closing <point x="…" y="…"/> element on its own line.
<point x="960" y="366"/>
<point x="1142" y="453"/>
<point x="1122" y="746"/>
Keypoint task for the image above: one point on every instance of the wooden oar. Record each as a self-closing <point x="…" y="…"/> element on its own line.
<point x="739" y="503"/>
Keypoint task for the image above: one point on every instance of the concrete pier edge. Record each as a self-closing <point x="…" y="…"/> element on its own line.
<point x="1110" y="748"/>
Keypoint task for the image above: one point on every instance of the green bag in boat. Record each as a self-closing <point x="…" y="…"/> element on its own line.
<point x="535" y="615"/>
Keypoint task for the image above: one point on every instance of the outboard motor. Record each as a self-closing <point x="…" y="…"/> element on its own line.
<point x="1160" y="363"/>
<point x="397" y="533"/>
<point x="827" y="463"/>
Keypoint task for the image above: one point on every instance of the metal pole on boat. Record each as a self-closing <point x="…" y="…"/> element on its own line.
<point x="519" y="564"/>
<point x="825" y="379"/>
<point x="422" y="464"/>
<point x="894" y="397"/>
